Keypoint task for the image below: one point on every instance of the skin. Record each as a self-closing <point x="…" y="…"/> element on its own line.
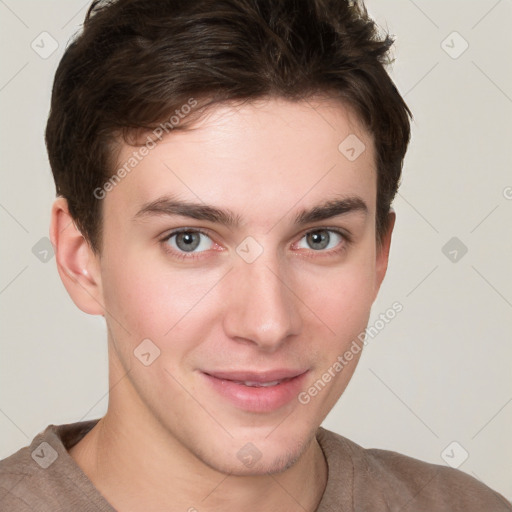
<point x="168" y="440"/>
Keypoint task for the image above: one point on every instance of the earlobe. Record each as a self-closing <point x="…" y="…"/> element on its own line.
<point x="77" y="264"/>
<point x="383" y="253"/>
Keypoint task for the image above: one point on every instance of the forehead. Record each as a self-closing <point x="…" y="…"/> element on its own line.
<point x="272" y="154"/>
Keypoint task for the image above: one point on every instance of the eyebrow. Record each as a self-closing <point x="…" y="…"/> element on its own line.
<point x="167" y="206"/>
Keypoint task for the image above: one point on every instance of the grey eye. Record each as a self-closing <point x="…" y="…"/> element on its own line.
<point x="321" y="239"/>
<point x="189" y="241"/>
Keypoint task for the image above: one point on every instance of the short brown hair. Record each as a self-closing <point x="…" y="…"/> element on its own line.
<point x="137" y="61"/>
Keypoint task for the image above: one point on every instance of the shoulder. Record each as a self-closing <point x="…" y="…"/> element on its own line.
<point x="387" y="480"/>
<point x="22" y="478"/>
<point x="42" y="476"/>
<point x="14" y="475"/>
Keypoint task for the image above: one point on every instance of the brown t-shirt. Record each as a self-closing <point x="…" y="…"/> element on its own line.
<point x="43" y="477"/>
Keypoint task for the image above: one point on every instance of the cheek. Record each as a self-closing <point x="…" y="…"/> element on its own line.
<point x="157" y="301"/>
<point x="342" y="301"/>
<point x="137" y="299"/>
<point x="342" y="297"/>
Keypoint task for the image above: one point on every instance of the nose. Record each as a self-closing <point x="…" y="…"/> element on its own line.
<point x="262" y="307"/>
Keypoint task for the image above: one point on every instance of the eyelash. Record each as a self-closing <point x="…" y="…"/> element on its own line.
<point x="344" y="244"/>
<point x="184" y="255"/>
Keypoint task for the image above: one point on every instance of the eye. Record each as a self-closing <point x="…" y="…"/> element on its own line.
<point x="321" y="239"/>
<point x="189" y="240"/>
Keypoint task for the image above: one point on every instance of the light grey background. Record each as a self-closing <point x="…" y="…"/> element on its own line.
<point x="439" y="372"/>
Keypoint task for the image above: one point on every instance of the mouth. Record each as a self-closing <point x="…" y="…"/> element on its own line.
<point x="254" y="384"/>
<point x="264" y="391"/>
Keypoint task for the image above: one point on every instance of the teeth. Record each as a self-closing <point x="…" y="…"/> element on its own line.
<point x="260" y="384"/>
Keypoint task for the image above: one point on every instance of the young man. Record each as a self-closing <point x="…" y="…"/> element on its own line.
<point x="225" y="171"/>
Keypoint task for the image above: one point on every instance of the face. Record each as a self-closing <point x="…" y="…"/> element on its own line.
<point x="238" y="263"/>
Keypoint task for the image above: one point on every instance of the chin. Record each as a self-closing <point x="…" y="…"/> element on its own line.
<point x="262" y="456"/>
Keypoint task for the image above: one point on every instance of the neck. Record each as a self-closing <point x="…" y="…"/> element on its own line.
<point x="137" y="465"/>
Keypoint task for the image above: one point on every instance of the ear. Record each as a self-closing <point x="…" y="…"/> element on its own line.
<point x="382" y="256"/>
<point x="77" y="264"/>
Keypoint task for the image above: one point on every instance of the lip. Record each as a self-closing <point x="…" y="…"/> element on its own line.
<point x="257" y="399"/>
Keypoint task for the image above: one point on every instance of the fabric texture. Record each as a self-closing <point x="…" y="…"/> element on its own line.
<point x="43" y="477"/>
